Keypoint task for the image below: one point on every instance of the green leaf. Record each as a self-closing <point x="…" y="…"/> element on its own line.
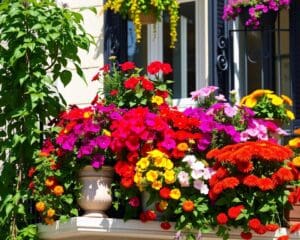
<point x="264" y="208"/>
<point x="66" y="77"/>
<point x="8" y="209"/>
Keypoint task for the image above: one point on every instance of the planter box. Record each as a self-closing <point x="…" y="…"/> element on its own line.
<point x="294" y="215"/>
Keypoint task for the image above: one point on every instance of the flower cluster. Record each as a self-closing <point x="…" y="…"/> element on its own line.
<point x="249" y="187"/>
<point x="126" y="87"/>
<point x="268" y="105"/>
<point x="255" y="9"/>
<point x="134" y="8"/>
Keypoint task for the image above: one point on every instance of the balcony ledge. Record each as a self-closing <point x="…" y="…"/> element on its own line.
<point x="88" y="228"/>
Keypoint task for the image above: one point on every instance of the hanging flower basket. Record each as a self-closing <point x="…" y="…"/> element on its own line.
<point x="148" y="18"/>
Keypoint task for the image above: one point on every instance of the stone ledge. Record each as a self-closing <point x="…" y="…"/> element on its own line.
<point x="87" y="228"/>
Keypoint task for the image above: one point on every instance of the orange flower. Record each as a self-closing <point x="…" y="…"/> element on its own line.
<point x="50" y="182"/>
<point x="182" y="147"/>
<point x="49" y="221"/>
<point x="58" y="190"/>
<point x="188" y="206"/>
<point x="287" y="100"/>
<point x="40" y="206"/>
<point x="297" y="131"/>
<point x="50" y="212"/>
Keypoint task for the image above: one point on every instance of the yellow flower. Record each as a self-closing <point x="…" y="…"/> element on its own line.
<point x="296" y="161"/>
<point x="297" y="131"/>
<point x="250" y="102"/>
<point x="295" y="142"/>
<point x="87" y="114"/>
<point x="138" y="178"/>
<point x="152" y="176"/>
<point x="143" y="163"/>
<point x="169" y="164"/>
<point x="156" y="154"/>
<point x="40" y="206"/>
<point x="287" y="100"/>
<point x="260" y="92"/>
<point x="106" y="132"/>
<point x="276" y="100"/>
<point x="175" y="193"/>
<point x="156" y="185"/>
<point x="158" y="100"/>
<point x="169" y="176"/>
<point x="50" y="212"/>
<point x="182" y="147"/>
<point x="163" y="205"/>
<point x="160" y="162"/>
<point x="290" y="114"/>
<point x="243" y="101"/>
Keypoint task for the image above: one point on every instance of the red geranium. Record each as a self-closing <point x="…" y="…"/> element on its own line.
<point x="235" y="211"/>
<point x="246" y="235"/>
<point x="254" y="223"/>
<point x="165" y="192"/>
<point x="154" y="67"/>
<point x="127" y="66"/>
<point x="222" y="218"/>
<point x="131" y="83"/>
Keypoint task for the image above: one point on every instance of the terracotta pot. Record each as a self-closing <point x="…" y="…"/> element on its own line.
<point x="96" y="195"/>
<point x="293" y="215"/>
<point x="148" y="18"/>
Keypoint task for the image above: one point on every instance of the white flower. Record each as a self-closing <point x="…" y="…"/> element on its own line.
<point x="200" y="185"/>
<point x="207" y="173"/>
<point x="190" y="159"/>
<point x="196" y="174"/>
<point x="183" y="178"/>
<point x="198" y="166"/>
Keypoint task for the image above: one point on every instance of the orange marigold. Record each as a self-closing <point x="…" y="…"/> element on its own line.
<point x="188" y="206"/>
<point x="40" y="206"/>
<point x="250" y="180"/>
<point x="50" y="182"/>
<point x="265" y="184"/>
<point x="50" y="212"/>
<point x="58" y="190"/>
<point x="230" y="182"/>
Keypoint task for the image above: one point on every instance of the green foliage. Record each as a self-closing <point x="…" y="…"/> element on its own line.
<point x="38" y="39"/>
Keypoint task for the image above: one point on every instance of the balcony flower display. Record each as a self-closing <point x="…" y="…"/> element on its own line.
<point x="255" y="9"/>
<point x="268" y="105"/>
<point x="133" y="9"/>
<point x="249" y="189"/>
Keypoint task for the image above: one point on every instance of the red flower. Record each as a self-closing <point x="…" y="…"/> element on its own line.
<point x="31" y="185"/>
<point x="265" y="184"/>
<point x="134" y="202"/>
<point x="254" y="224"/>
<point x="166" y="68"/>
<point x="105" y="68"/>
<point x="154" y="67"/>
<point x="283" y="175"/>
<point x="114" y="92"/>
<point x="222" y="218"/>
<point x="217" y="188"/>
<point x="143" y="217"/>
<point x="261" y="230"/>
<point x="131" y="83"/>
<point x="164" y="193"/>
<point x="31" y="172"/>
<point x="127" y="182"/>
<point x="165" y="225"/>
<point x="272" y="227"/>
<point x="250" y="181"/>
<point x="230" y="182"/>
<point x="294" y="228"/>
<point x="127" y="66"/>
<point x="95" y="100"/>
<point x="132" y="157"/>
<point x="246" y="235"/>
<point x="147" y="85"/>
<point x="95" y="77"/>
<point x="150" y="215"/>
<point x="235" y="211"/>
<point x="163" y="94"/>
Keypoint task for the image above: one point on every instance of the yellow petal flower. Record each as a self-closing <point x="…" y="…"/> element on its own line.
<point x="296" y="161"/>
<point x="152" y="176"/>
<point x="156" y="185"/>
<point x="260" y="92"/>
<point x="287" y="100"/>
<point x="243" y="101"/>
<point x="156" y="154"/>
<point x="163" y="205"/>
<point x="106" y="132"/>
<point x="169" y="176"/>
<point x="290" y="115"/>
<point x="276" y="100"/>
<point x="143" y="163"/>
<point x="158" y="100"/>
<point x="169" y="164"/>
<point x="175" y="193"/>
<point x="250" y="102"/>
<point x="294" y="143"/>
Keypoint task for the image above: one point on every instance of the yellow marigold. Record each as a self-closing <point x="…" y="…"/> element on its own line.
<point x="158" y="100"/>
<point x="287" y="100"/>
<point x="156" y="185"/>
<point x="243" y="101"/>
<point x="163" y="205"/>
<point x="87" y="114"/>
<point x="290" y="115"/>
<point x="297" y="131"/>
<point x="143" y="163"/>
<point x="48" y="220"/>
<point x="58" y="190"/>
<point x="276" y="100"/>
<point x="250" y="102"/>
<point x="138" y="178"/>
<point x="175" y="194"/>
<point x="156" y="154"/>
<point x="50" y="212"/>
<point x="169" y="164"/>
<point x="152" y="176"/>
<point x="296" y="161"/>
<point x="160" y="162"/>
<point x="40" y="206"/>
<point x="182" y="147"/>
<point x="106" y="132"/>
<point x="260" y="92"/>
<point x="295" y="142"/>
<point x="169" y="176"/>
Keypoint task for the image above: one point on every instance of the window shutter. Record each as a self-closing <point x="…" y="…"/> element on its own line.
<point x="295" y="57"/>
<point x="219" y="47"/>
<point x="115" y="37"/>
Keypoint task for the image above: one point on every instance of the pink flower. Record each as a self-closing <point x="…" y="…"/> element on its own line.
<point x="134" y="202"/>
<point x="183" y="178"/>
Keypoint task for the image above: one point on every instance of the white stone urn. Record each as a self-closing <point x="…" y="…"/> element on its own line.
<point x="96" y="195"/>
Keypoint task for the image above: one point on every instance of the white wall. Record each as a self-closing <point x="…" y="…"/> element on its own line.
<point x="77" y="92"/>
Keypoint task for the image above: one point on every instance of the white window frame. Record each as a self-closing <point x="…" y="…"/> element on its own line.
<point x="155" y="47"/>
